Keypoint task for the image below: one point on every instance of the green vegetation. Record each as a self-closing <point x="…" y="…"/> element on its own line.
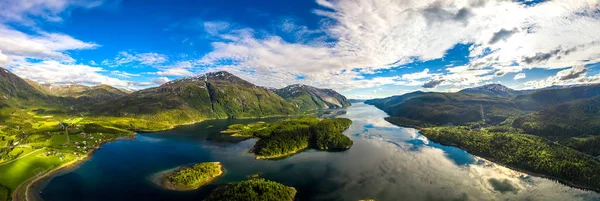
<point x="43" y="127"/>
<point x="428" y="109"/>
<point x="327" y="134"/>
<point x="4" y="193"/>
<point x="523" y="151"/>
<point x="588" y="145"/>
<point x="555" y="132"/>
<point x="289" y="136"/>
<point x="253" y="190"/>
<point x="192" y="177"/>
<point x="577" y="118"/>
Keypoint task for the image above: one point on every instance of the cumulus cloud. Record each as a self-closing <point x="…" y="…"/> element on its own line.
<point x="40" y="45"/>
<point x="503" y="34"/>
<point x="574" y="75"/>
<point x="433" y="83"/>
<point x="372" y="35"/>
<point x="520" y="76"/>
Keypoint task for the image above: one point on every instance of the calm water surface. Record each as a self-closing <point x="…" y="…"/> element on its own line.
<point x="387" y="162"/>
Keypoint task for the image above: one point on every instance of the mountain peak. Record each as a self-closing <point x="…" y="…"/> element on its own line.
<point x="219" y="74"/>
<point x="491" y="89"/>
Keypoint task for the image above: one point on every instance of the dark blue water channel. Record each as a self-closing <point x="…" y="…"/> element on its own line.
<point x="387" y="162"/>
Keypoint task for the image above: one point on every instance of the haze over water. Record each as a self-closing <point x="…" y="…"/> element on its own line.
<point x="386" y="162"/>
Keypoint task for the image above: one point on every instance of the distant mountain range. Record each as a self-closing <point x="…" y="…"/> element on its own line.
<point x="213" y="95"/>
<point x="495" y="104"/>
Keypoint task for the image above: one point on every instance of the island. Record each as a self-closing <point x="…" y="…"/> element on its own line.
<point x="289" y="136"/>
<point x="253" y="189"/>
<point x="187" y="178"/>
<point x="528" y="153"/>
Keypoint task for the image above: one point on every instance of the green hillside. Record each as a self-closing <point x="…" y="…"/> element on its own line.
<point x="426" y="109"/>
<point x="577" y="118"/>
<point x="214" y="95"/>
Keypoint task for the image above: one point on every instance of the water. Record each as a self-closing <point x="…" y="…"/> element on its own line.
<point x="387" y="162"/>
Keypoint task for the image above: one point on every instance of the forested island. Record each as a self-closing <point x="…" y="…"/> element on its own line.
<point x="524" y="152"/>
<point x="188" y="177"/>
<point x="253" y="190"/>
<point x="290" y="136"/>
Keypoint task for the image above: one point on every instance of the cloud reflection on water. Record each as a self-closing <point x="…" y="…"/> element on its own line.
<point x="402" y="172"/>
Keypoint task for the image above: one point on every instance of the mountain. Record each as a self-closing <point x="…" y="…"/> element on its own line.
<point x="82" y="93"/>
<point x="213" y="95"/>
<point x="422" y="109"/>
<point x="14" y="91"/>
<point x="494" y="89"/>
<point x="543" y="98"/>
<point x="385" y="103"/>
<point x="307" y="98"/>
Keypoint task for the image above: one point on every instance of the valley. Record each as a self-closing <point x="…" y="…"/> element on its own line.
<point x="45" y="127"/>
<point x="47" y="130"/>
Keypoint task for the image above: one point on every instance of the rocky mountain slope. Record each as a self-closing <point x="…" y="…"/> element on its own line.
<point x="307" y="98"/>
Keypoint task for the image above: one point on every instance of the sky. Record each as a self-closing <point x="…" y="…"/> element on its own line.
<point x="361" y="48"/>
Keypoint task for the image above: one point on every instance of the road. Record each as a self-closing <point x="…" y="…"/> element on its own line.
<point x="23" y="156"/>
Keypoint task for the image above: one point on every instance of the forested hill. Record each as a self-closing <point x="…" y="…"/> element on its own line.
<point x="213" y="95"/>
<point x="466" y="107"/>
<point x="311" y="98"/>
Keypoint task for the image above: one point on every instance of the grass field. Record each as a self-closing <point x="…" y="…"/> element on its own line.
<point x="16" y="172"/>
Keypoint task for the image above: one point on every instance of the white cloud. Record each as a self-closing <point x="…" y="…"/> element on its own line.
<point x="175" y="72"/>
<point x="124" y="58"/>
<point x="418" y="75"/>
<point x="41" y="45"/>
<point x="520" y="76"/>
<point x="124" y="74"/>
<point x="56" y="72"/>
<point x="160" y="80"/>
<point x="371" y="35"/>
<point x="215" y="27"/>
<point x="574" y="75"/>
<point x="3" y="58"/>
<point x="50" y="10"/>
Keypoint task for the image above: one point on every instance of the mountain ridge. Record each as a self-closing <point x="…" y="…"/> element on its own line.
<point x="307" y="97"/>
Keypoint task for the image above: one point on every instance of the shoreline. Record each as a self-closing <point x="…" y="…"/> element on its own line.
<point x="278" y="156"/>
<point x="37" y="184"/>
<point x="562" y="181"/>
<point x="158" y="179"/>
<point x="559" y="180"/>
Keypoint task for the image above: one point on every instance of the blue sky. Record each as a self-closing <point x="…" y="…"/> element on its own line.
<point x="363" y="49"/>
